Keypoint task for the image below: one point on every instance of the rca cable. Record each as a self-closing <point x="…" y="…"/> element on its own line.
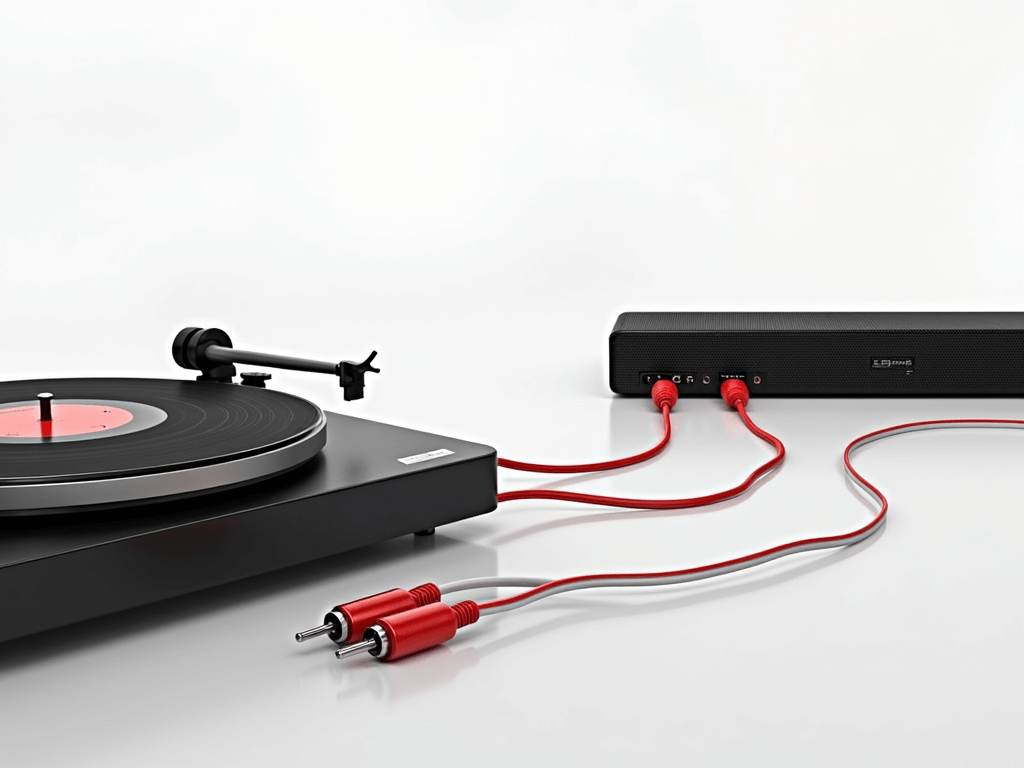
<point x="397" y="623"/>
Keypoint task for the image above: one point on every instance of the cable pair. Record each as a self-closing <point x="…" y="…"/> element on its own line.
<point x="398" y="622"/>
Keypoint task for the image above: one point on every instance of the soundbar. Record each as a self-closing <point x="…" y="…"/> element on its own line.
<point x="839" y="354"/>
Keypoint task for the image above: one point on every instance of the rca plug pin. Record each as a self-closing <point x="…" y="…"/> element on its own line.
<point x="347" y="621"/>
<point x="735" y="393"/>
<point x="663" y="393"/>
<point x="403" y="634"/>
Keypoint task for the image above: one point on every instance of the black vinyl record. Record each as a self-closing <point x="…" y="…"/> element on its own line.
<point x="164" y="438"/>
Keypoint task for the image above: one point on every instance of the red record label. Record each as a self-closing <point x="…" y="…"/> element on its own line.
<point x="68" y="419"/>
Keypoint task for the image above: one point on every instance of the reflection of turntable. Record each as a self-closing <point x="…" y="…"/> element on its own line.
<point x="119" y="492"/>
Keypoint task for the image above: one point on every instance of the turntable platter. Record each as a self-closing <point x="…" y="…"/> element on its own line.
<point x="111" y="441"/>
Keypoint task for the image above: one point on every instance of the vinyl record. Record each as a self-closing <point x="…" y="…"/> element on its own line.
<point x="111" y="441"/>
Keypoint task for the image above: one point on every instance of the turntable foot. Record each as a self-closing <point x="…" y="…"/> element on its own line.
<point x="426" y="532"/>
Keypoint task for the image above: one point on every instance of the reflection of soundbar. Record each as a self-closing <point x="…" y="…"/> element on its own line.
<point x="821" y="353"/>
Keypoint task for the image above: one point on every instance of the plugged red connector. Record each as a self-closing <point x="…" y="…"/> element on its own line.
<point x="664" y="394"/>
<point x="735" y="393"/>
<point x="348" y="621"/>
<point x="408" y="632"/>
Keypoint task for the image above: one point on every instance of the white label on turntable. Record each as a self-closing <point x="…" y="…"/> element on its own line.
<point x="426" y="456"/>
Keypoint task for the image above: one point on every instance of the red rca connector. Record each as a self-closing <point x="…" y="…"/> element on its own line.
<point x="349" y="621"/>
<point x="735" y="393"/>
<point x="402" y="634"/>
<point x="663" y="393"/>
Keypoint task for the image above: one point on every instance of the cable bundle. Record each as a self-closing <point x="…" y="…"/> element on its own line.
<point x="399" y="634"/>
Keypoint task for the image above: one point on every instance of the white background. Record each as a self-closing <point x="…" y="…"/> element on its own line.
<point x="476" y="190"/>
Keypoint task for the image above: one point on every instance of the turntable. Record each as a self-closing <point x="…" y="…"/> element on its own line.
<point x="115" y="493"/>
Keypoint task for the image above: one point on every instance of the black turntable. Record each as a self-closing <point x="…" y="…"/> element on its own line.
<point x="115" y="493"/>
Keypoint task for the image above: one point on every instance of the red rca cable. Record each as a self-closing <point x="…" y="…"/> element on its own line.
<point x="663" y="393"/>
<point x="398" y="635"/>
<point x="348" y="621"/>
<point x="420" y="613"/>
<point x="757" y="558"/>
<point x="736" y="395"/>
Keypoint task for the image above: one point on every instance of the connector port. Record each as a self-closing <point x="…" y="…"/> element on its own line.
<point x="674" y="377"/>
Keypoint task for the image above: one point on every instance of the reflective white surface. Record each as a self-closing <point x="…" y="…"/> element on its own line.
<point x="476" y="191"/>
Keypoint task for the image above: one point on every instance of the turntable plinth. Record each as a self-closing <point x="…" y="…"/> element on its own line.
<point x="60" y="569"/>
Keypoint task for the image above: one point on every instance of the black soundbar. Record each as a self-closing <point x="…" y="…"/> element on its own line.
<point x="838" y="354"/>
